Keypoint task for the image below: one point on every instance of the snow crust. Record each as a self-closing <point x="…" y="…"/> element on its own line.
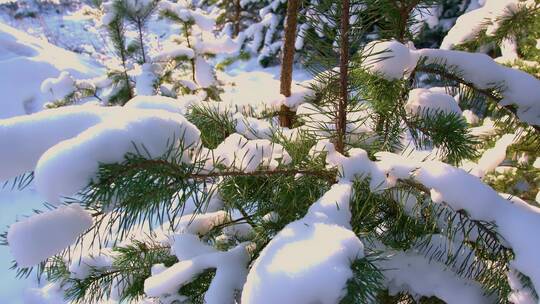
<point x="80" y="268"/>
<point x="470" y="117"/>
<point x="518" y="88"/>
<point x="30" y="136"/>
<point x="145" y="78"/>
<point x="204" y="73"/>
<point x="202" y="223"/>
<point x="184" y="12"/>
<point x="298" y="96"/>
<point x="247" y="155"/>
<point x="160" y="103"/>
<point x="493" y="157"/>
<point x="357" y="165"/>
<point x="173" y="50"/>
<point x="51" y="293"/>
<point x="59" y="87"/>
<point x="43" y="235"/>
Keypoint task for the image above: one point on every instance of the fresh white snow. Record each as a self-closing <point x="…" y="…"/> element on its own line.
<point x="41" y="236"/>
<point x="26" y="62"/>
<point x="312" y="254"/>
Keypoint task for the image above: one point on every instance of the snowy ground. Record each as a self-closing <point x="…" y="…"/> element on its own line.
<point x="69" y="28"/>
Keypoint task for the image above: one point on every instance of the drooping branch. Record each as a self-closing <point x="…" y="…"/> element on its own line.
<point x="427" y="191"/>
<point x="486" y="92"/>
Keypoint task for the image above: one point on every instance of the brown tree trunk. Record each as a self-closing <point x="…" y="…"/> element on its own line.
<point x="285" y="114"/>
<point x="237" y="11"/>
<point x="341" y="119"/>
<point x="139" y="27"/>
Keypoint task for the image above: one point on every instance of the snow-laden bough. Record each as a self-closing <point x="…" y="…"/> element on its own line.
<point x="313" y="254"/>
<point x="41" y="236"/>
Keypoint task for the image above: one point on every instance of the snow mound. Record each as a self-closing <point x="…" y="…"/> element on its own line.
<point x="66" y="145"/>
<point x="41" y="236"/>
<point x="432" y="102"/>
<point x="29" y="136"/>
<point x="70" y="165"/>
<point x="25" y="62"/>
<point x="390" y="59"/>
<point x="312" y="254"/>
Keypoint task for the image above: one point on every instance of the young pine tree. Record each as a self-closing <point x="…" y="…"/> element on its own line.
<point x="375" y="195"/>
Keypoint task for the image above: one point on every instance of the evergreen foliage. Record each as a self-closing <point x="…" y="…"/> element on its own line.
<point x="151" y="194"/>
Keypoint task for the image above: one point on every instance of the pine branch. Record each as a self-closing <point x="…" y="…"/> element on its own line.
<point x="366" y="283"/>
<point x="447" y="131"/>
<point x="480" y="255"/>
<point x="20" y="182"/>
<point x="491" y="94"/>
<point x="173" y="169"/>
<point x="131" y="266"/>
<point x="215" y="124"/>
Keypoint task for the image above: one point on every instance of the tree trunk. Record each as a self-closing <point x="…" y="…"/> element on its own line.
<point x="139" y="27"/>
<point x="237" y="12"/>
<point x="341" y="119"/>
<point x="192" y="60"/>
<point x="285" y="115"/>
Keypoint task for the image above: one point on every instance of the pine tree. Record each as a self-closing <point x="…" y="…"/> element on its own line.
<point x="233" y="15"/>
<point x="196" y="25"/>
<point x="375" y="195"/>
<point x="264" y="36"/>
